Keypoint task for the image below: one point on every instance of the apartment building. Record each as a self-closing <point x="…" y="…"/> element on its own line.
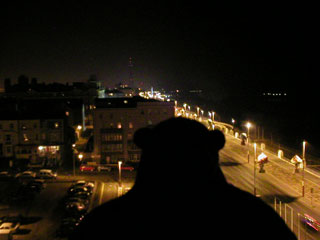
<point x="32" y="139"/>
<point x="116" y="120"/>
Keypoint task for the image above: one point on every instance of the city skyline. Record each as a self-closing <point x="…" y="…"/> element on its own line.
<point x="171" y="46"/>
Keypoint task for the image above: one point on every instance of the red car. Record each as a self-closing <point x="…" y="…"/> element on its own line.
<point x="87" y="168"/>
<point x="311" y="222"/>
<point x="130" y="168"/>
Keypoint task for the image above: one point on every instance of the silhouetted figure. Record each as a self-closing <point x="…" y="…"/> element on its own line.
<point x="180" y="193"/>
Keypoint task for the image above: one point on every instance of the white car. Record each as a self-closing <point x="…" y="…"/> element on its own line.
<point x="103" y="168"/>
<point x="84" y="183"/>
<point x="11" y="227"/>
<point x="47" y="173"/>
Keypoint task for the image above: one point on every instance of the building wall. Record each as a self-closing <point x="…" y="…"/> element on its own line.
<point x="8" y="137"/>
<point x="114" y="129"/>
<point x="32" y="139"/>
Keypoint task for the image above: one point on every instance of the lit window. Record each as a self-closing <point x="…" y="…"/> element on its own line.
<point x="56" y="125"/>
<point x="25" y="137"/>
<point x="130" y="125"/>
<point x="119" y="125"/>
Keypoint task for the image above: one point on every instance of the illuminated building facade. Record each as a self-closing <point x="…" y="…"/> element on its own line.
<point x="33" y="140"/>
<point x="116" y="120"/>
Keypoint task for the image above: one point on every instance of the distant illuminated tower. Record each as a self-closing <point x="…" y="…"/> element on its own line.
<point x="131" y="82"/>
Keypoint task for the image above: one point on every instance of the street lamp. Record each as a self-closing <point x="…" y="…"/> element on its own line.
<point x="212" y="116"/>
<point x="303" y="164"/>
<point x="254" y="169"/>
<point x="119" y="166"/>
<point x="79" y="127"/>
<point x="304" y="153"/>
<point x="248" y="125"/>
<point x="80" y="156"/>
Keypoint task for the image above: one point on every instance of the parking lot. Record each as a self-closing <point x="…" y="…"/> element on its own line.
<point x="43" y="210"/>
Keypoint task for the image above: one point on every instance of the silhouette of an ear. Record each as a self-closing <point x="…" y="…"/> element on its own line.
<point x="142" y="137"/>
<point x="216" y="140"/>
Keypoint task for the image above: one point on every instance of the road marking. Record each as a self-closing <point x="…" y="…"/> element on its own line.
<point x="101" y="194"/>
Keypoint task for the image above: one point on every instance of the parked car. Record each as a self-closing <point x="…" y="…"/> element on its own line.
<point x="77" y="189"/>
<point x="26" y="175"/>
<point x="126" y="167"/>
<point x="87" y="168"/>
<point x="12" y="227"/>
<point x="77" y="199"/>
<point x="83" y="183"/>
<point x="47" y="174"/>
<point x="76" y="208"/>
<point x="311" y="222"/>
<point x="103" y="168"/>
<point x="82" y="195"/>
<point x="5" y="176"/>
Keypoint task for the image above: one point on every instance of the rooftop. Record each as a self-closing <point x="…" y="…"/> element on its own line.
<point x="123" y="102"/>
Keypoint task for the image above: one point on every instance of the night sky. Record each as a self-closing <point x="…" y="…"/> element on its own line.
<point x="175" y="45"/>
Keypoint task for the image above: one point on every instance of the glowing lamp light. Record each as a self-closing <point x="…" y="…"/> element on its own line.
<point x="80" y="156"/>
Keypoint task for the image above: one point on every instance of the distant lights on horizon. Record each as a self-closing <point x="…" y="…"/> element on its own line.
<point x="274" y="94"/>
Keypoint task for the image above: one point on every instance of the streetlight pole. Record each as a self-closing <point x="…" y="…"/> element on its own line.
<point x="119" y="165"/>
<point x="248" y="126"/>
<point x="254" y="170"/>
<point x="303" y="164"/>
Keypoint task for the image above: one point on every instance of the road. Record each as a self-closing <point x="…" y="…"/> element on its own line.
<point x="277" y="184"/>
<point x="44" y="212"/>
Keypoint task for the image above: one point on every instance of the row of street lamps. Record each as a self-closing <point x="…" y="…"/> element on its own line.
<point x="187" y="107"/>
<point x="297" y="162"/>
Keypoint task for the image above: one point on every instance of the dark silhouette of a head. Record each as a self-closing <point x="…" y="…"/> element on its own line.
<point x="178" y="151"/>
